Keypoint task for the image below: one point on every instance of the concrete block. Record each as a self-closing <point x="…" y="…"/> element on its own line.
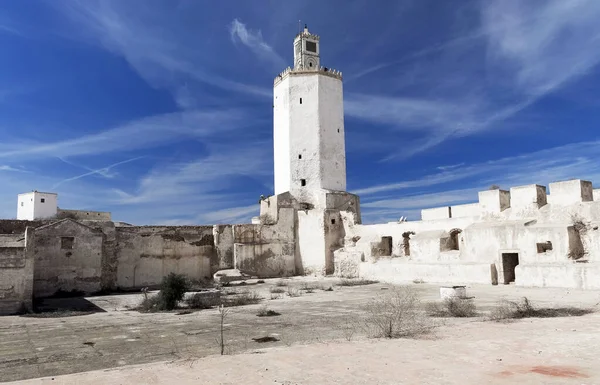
<point x="571" y="191"/>
<point x="435" y="213"/>
<point x="494" y="201"/>
<point x="464" y="211"/>
<point x="528" y="197"/>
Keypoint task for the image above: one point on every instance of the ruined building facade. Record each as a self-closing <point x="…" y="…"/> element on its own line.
<point x="311" y="226"/>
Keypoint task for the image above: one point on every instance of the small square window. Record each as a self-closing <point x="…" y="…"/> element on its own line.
<point x="43" y="200"/>
<point x="333" y="221"/>
<point x="66" y="243"/>
<point x="302" y="182"/>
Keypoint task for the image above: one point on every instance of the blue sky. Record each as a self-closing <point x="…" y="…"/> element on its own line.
<point x="161" y="111"/>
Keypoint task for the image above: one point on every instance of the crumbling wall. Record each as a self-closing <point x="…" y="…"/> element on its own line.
<point x="68" y="257"/>
<point x="267" y="250"/>
<point x="145" y="254"/>
<point x="83" y="215"/>
<point x="16" y="274"/>
<point x="15" y="226"/>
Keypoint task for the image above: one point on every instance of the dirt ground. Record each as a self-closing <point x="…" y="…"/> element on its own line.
<point x="120" y="346"/>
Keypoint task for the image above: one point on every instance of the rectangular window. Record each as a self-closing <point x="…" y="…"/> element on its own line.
<point x="43" y="200"/>
<point x="22" y="204"/>
<point x="300" y="156"/>
<point x="333" y="221"/>
<point x="66" y="243"/>
<point x="302" y="182"/>
<point x="300" y="100"/>
<point x="311" y="46"/>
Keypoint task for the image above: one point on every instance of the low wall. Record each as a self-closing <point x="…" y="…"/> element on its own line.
<point x="16" y="276"/>
<point x="435" y="213"/>
<point x="568" y="275"/>
<point x="68" y="257"/>
<point x="83" y="215"/>
<point x="266" y="260"/>
<point x="148" y="253"/>
<point x="399" y="271"/>
<point x="467" y="210"/>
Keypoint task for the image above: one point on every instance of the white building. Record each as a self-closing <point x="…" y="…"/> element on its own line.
<point x="308" y="121"/>
<point x="37" y="205"/>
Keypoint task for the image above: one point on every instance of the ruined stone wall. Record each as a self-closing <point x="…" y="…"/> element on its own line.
<point x="15" y="226"/>
<point x="16" y="275"/>
<point x="84" y="215"/>
<point x="267" y="250"/>
<point x="68" y="257"/>
<point x="145" y="254"/>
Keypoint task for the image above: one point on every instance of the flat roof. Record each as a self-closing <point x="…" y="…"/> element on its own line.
<point x="39" y="192"/>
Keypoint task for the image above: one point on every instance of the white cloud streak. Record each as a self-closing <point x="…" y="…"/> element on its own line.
<point x="104" y="171"/>
<point x="576" y="160"/>
<point x="531" y="49"/>
<point x="254" y="40"/>
<point x="138" y="134"/>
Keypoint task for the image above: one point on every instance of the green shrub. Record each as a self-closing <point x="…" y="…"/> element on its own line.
<point x="453" y="307"/>
<point x="172" y="290"/>
<point x="201" y="301"/>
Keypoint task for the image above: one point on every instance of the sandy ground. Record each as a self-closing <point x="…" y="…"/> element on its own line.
<point x="312" y="347"/>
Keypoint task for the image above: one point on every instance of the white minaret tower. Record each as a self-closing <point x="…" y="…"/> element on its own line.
<point x="308" y="122"/>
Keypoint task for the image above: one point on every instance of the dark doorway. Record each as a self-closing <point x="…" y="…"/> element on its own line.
<point x="386" y="246"/>
<point x="509" y="262"/>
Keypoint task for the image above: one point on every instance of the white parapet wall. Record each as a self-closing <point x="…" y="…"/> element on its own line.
<point x="402" y="271"/>
<point x="570" y="192"/>
<point x="493" y="201"/>
<point x="464" y="211"/>
<point x="527" y="197"/>
<point x="435" y="213"/>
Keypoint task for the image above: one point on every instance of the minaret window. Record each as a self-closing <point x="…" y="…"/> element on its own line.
<point x="311" y="46"/>
<point x="300" y="100"/>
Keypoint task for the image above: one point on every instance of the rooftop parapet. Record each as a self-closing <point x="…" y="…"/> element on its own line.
<point x="527" y="197"/>
<point x="323" y="71"/>
<point x="570" y="192"/>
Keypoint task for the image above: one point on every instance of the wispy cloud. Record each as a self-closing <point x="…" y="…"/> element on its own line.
<point x="230" y="215"/>
<point x="155" y="53"/>
<point x="138" y="134"/>
<point x="11" y="169"/>
<point x="104" y="171"/>
<point x="254" y="40"/>
<point x="201" y="178"/>
<point x="531" y="49"/>
<point x="576" y="160"/>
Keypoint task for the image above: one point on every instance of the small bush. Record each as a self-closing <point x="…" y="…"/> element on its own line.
<point x="276" y="296"/>
<point x="396" y="314"/>
<point x="249" y="298"/>
<point x="281" y="283"/>
<point x="260" y="281"/>
<point x="293" y="292"/>
<point x="265" y="312"/>
<point x="151" y="304"/>
<point x="310" y="288"/>
<point x="172" y="290"/>
<point x="453" y="307"/>
<point x="330" y="288"/>
<point x="417" y="281"/>
<point x="355" y="282"/>
<point x="508" y="310"/>
<point x="277" y="290"/>
<point x="200" y="301"/>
